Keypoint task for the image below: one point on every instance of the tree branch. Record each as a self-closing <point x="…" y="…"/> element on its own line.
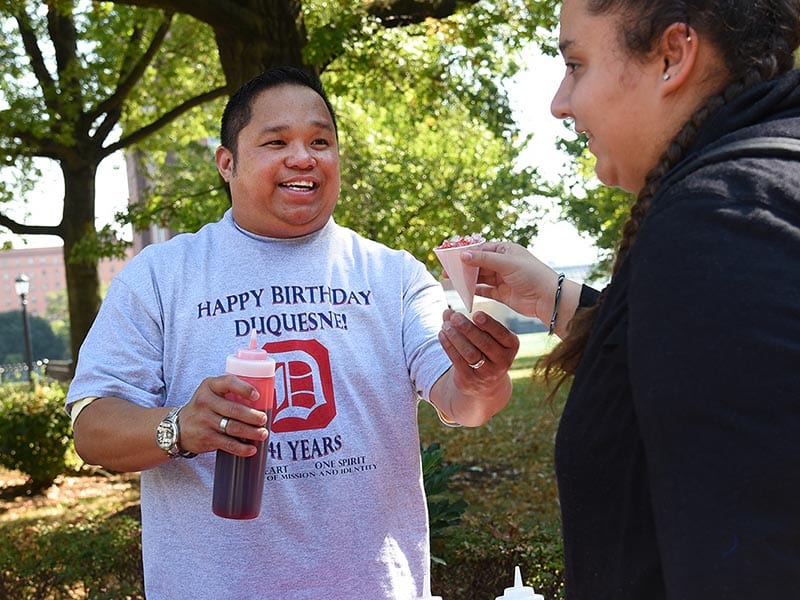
<point x="61" y="29"/>
<point x="167" y="117"/>
<point x="22" y="229"/>
<point x="33" y="145"/>
<point x="29" y="41"/>
<point x="397" y="13"/>
<point x="217" y="13"/>
<point x="129" y="80"/>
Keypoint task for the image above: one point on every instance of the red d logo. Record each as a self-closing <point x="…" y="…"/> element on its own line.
<point x="303" y="386"/>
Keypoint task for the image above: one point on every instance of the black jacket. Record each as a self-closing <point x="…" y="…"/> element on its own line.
<point x="678" y="452"/>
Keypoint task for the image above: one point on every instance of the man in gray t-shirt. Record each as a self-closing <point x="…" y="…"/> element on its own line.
<point x="356" y="331"/>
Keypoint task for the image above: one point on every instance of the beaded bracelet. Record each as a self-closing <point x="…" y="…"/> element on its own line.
<point x="555" y="304"/>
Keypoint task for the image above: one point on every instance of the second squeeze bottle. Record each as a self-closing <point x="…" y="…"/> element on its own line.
<point x="239" y="481"/>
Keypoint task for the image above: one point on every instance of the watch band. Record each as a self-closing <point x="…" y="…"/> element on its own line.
<point x="171" y="422"/>
<point x="181" y="453"/>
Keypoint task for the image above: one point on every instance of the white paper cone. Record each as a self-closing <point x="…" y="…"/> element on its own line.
<point x="464" y="277"/>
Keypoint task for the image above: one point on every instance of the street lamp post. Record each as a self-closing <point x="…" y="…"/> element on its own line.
<point x="22" y="285"/>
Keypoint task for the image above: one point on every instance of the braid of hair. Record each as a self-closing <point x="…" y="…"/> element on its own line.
<point x="562" y="362"/>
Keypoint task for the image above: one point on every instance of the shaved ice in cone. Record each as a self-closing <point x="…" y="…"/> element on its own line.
<point x="464" y="277"/>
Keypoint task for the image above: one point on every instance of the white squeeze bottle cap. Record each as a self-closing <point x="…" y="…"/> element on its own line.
<point x="251" y="361"/>
<point x="519" y="591"/>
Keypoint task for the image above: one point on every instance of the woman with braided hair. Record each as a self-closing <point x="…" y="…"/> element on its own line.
<point x="678" y="451"/>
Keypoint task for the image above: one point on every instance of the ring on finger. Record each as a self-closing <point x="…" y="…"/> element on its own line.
<point x="479" y="364"/>
<point x="223" y="424"/>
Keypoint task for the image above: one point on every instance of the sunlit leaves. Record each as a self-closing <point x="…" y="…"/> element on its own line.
<point x="183" y="190"/>
<point x="186" y="65"/>
<point x="428" y="138"/>
<point x="103" y="243"/>
<point x="412" y="180"/>
<point x="18" y="177"/>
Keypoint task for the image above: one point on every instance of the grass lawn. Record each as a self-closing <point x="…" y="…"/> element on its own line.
<point x="80" y="538"/>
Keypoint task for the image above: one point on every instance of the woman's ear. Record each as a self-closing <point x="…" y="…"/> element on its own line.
<point x="678" y="51"/>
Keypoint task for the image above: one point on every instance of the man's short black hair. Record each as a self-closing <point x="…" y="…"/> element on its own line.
<point x="238" y="111"/>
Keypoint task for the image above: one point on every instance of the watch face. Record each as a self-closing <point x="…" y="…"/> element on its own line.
<point x="165" y="435"/>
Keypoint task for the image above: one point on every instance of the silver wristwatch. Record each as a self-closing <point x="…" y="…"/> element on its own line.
<point x="168" y="435"/>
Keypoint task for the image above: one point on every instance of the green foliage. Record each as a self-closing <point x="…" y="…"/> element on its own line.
<point x="482" y="564"/>
<point x="443" y="511"/>
<point x="34" y="432"/>
<point x="57" y="309"/>
<point x="97" y="244"/>
<point x="186" y="65"/>
<point x="44" y="342"/>
<point x="82" y="80"/>
<point x="18" y="176"/>
<point x="332" y="26"/>
<point x="57" y="315"/>
<point x="428" y="143"/>
<point x="47" y="104"/>
<point x="98" y="559"/>
<point x="101" y="46"/>
<point x="187" y="191"/>
<point x="180" y="187"/>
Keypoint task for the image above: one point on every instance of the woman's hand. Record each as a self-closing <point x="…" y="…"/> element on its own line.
<point x="512" y="275"/>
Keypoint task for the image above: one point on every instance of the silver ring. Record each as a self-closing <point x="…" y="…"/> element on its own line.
<point x="479" y="364"/>
<point x="223" y="424"/>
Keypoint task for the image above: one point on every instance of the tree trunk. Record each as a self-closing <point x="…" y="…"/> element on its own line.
<point x="277" y="37"/>
<point x="83" y="281"/>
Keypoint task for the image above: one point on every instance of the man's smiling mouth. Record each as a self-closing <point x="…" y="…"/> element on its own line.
<point x="300" y="185"/>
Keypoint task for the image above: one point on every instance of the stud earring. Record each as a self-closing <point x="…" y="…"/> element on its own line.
<point x="665" y="76"/>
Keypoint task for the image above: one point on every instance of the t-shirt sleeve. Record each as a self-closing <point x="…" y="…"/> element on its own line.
<point x="423" y="306"/>
<point x="714" y="349"/>
<point x="122" y="354"/>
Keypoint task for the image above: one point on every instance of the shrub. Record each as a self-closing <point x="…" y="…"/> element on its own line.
<point x="443" y="511"/>
<point x="98" y="559"/>
<point x="34" y="432"/>
<point x="481" y="563"/>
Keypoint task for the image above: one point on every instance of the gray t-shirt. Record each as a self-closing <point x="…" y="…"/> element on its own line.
<point x="353" y="328"/>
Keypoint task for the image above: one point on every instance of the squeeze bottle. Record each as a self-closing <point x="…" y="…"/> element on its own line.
<point x="239" y="481"/>
<point x="519" y="592"/>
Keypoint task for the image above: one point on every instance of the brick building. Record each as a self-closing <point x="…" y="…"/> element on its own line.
<point x="45" y="268"/>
